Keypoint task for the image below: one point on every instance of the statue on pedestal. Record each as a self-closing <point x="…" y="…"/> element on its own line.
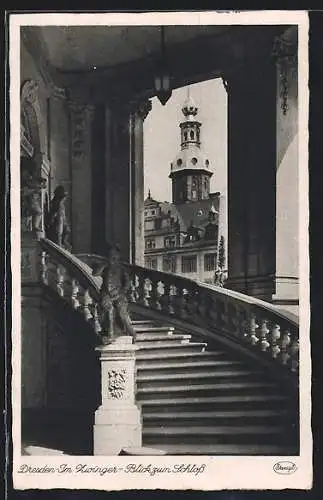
<point x="31" y="198"/>
<point x="115" y="319"/>
<point x="56" y="226"/>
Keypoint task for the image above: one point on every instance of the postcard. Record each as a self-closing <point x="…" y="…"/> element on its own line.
<point x="160" y="250"/>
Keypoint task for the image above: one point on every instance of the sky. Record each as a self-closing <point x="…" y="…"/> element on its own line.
<point x="162" y="136"/>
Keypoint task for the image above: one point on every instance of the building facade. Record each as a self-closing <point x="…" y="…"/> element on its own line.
<point x="182" y="237"/>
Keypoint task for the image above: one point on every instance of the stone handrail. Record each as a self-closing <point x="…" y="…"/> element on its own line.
<point x="72" y="280"/>
<point x="265" y="331"/>
<point x="259" y="328"/>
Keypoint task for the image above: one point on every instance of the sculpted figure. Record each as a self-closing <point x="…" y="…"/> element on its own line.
<point x="31" y="209"/>
<point x="115" y="319"/>
<point x="57" y="228"/>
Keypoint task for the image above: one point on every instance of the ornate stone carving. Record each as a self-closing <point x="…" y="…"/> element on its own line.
<point x="57" y="228"/>
<point x="81" y="116"/>
<point x="143" y="108"/>
<point x="116" y="383"/>
<point x="285" y="54"/>
<point x="115" y="319"/>
<point x="29" y="91"/>
<point x="31" y="196"/>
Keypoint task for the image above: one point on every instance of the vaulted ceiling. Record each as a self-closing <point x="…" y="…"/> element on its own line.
<point x="107" y="62"/>
<point x="81" y="48"/>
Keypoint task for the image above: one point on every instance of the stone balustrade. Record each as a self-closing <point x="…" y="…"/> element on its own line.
<point x="260" y="327"/>
<point x="263" y="327"/>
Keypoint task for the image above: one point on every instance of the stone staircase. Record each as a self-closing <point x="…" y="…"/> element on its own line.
<point x="198" y="398"/>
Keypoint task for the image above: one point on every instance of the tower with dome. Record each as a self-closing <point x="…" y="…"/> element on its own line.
<point x="190" y="170"/>
<point x="182" y="237"/>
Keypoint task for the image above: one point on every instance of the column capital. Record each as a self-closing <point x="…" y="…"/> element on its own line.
<point x="81" y="117"/>
<point x="142" y="108"/>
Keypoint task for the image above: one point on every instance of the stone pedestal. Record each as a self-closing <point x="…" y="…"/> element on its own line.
<point x="117" y="420"/>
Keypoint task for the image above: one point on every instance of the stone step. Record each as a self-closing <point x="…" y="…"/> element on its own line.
<point x="167" y="341"/>
<point x="173" y="377"/>
<point x="200" y="388"/>
<point x="215" y="403"/>
<point x="228" y="449"/>
<point x="200" y="431"/>
<point x="143" y="322"/>
<point x="171" y="346"/>
<point x="219" y="434"/>
<point x="199" y="366"/>
<point x="172" y="357"/>
<point x="153" y="329"/>
<point x="238" y="416"/>
<point x="154" y="337"/>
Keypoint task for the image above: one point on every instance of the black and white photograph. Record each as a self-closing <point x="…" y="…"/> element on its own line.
<point x="160" y="262"/>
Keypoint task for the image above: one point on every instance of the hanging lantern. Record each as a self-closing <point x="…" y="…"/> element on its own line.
<point x="162" y="79"/>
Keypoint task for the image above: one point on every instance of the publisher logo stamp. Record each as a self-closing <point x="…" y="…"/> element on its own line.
<point x="285" y="467"/>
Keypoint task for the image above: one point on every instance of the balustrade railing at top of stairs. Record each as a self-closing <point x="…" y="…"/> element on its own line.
<point x="213" y="312"/>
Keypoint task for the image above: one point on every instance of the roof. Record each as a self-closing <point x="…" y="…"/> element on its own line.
<point x="195" y="212"/>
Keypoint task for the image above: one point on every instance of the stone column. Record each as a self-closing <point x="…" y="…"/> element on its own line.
<point x="81" y="181"/>
<point x="252" y="179"/>
<point x="125" y="177"/>
<point x="117" y="420"/>
<point x="141" y="110"/>
<point x="287" y="179"/>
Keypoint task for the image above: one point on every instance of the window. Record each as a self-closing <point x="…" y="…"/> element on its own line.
<point x="151" y="262"/>
<point x="150" y="243"/>
<point x="170" y="241"/>
<point x="189" y="264"/>
<point x="146" y="213"/>
<point x="209" y="261"/>
<point x="194" y="161"/>
<point x="169" y="263"/>
<point x="192" y="135"/>
<point x="185" y="136"/>
<point x="179" y="162"/>
<point x="153" y="212"/>
<point x="149" y="225"/>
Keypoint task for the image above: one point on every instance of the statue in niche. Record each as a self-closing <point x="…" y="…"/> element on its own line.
<point x="56" y="226"/>
<point x="115" y="319"/>
<point x="31" y="198"/>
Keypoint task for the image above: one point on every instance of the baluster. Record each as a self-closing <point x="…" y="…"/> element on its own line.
<point x="60" y="275"/>
<point x="285" y="341"/>
<point x="181" y="301"/>
<point x="87" y="301"/>
<point x="74" y="294"/>
<point x="96" y="319"/>
<point x="43" y="268"/>
<point x="294" y="352"/>
<point x="252" y="330"/>
<point x="233" y="319"/>
<point x="213" y="312"/>
<point x="167" y="303"/>
<point x="275" y="336"/>
<point x="155" y="302"/>
<point x="132" y="290"/>
<point x="192" y="303"/>
<point x="201" y="307"/>
<point x="223" y="313"/>
<point x="144" y="291"/>
<point x="264" y="344"/>
<point x="242" y="323"/>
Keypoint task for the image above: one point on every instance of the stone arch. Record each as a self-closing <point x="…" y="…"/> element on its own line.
<point x="30" y="121"/>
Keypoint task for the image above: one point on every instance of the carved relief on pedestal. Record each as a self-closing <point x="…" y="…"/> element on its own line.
<point x="117" y="383"/>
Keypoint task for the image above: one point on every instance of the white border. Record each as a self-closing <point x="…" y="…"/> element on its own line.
<point x="221" y="472"/>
